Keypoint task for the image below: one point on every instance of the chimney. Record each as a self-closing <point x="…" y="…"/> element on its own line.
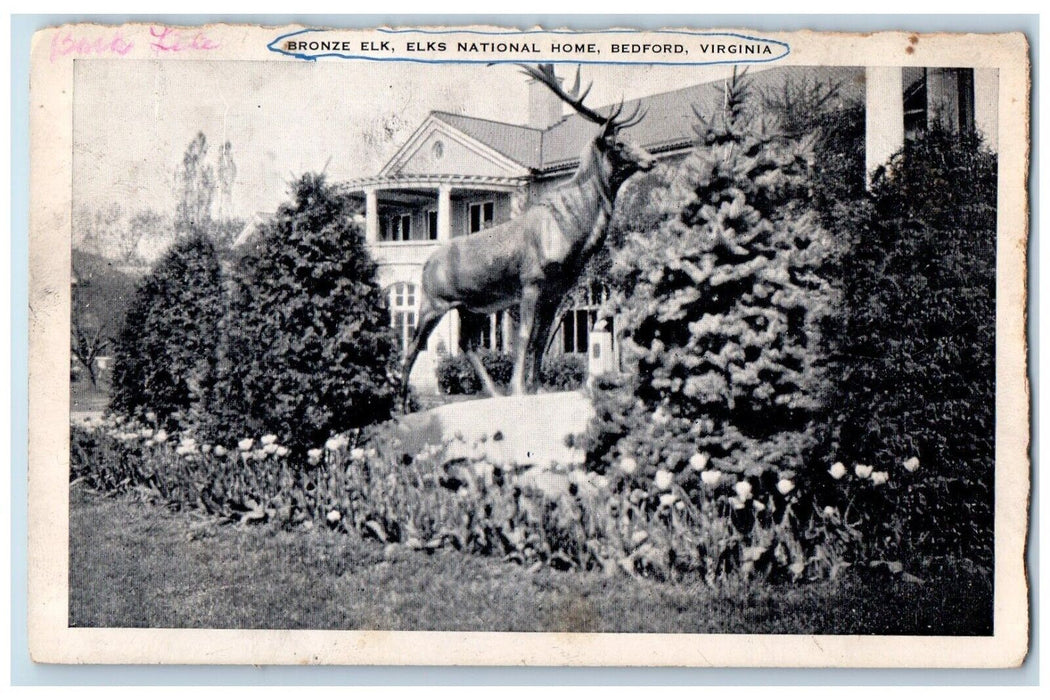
<point x="544" y="105"/>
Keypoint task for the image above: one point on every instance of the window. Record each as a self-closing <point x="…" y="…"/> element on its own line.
<point x="397" y="228"/>
<point x="482" y="215"/>
<point x="475" y="330"/>
<point x="432" y="225"/>
<point x="486" y="331"/>
<point x="914" y="101"/>
<point x="403" y="311"/>
<point x="576" y="326"/>
<point x="577" y="322"/>
<point x="941" y="97"/>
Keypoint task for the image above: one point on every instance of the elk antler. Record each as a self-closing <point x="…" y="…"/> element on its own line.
<point x="544" y="72"/>
<point x="636" y="116"/>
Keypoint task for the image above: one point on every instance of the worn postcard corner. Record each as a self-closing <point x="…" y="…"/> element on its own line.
<point x="461" y="345"/>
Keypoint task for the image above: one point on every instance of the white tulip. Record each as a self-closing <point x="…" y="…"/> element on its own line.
<point x="336" y="443"/>
<point x="698" y="462"/>
<point x="743" y="490"/>
<point x="664" y="479"/>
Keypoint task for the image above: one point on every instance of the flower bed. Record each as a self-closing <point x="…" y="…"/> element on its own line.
<point x="697" y="521"/>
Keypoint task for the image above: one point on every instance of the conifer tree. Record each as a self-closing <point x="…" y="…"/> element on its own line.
<point x="920" y="287"/>
<point x="309" y="350"/>
<point x="724" y="308"/>
<point x="165" y="355"/>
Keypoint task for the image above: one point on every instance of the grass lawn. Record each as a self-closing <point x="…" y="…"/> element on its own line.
<point x="137" y="565"/>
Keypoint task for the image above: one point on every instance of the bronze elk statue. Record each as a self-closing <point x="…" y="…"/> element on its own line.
<point x="535" y="259"/>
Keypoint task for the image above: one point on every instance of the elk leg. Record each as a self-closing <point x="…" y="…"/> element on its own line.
<point x="429" y="316"/>
<point x="530" y="297"/>
<point x="486" y="380"/>
<point x="541" y="338"/>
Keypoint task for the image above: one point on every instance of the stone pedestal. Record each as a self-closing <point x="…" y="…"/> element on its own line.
<point x="510" y="430"/>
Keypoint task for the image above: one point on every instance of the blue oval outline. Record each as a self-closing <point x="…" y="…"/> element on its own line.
<point x="435" y="32"/>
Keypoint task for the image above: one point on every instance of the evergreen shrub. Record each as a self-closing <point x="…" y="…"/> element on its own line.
<point x="165" y="356"/>
<point x="308" y="349"/>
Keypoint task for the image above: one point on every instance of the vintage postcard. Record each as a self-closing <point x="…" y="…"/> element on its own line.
<point x="478" y="345"/>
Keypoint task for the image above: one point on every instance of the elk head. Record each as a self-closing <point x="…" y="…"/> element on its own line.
<point x="624" y="156"/>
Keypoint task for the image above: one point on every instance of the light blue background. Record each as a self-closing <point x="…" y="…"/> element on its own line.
<point x="24" y="672"/>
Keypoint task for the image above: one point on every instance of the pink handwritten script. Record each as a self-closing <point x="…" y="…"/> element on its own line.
<point x="68" y="44"/>
<point x="160" y="40"/>
<point x="167" y="39"/>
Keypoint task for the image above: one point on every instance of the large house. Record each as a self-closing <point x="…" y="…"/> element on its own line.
<point x="458" y="174"/>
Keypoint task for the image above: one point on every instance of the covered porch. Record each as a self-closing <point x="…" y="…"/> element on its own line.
<point x="435" y="208"/>
<point x="405" y="219"/>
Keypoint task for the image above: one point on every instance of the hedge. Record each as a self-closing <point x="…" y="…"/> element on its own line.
<point x="456" y="374"/>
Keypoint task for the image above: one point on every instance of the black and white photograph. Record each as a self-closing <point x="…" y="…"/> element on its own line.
<point x="668" y="333"/>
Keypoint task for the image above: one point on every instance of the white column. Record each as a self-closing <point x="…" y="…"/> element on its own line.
<point x="884" y="115"/>
<point x="453" y="332"/>
<point x="517" y="201"/>
<point x="371" y="216"/>
<point x="986" y="105"/>
<point x="444" y="213"/>
<point x="509" y="331"/>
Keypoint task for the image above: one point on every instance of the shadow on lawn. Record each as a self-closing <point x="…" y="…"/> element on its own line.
<point x="137" y="565"/>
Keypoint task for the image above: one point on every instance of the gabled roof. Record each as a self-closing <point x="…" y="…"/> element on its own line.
<point x="501" y="134"/>
<point x="668" y="124"/>
<point x="519" y="143"/>
<point x="669" y="119"/>
<point x="251" y="227"/>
